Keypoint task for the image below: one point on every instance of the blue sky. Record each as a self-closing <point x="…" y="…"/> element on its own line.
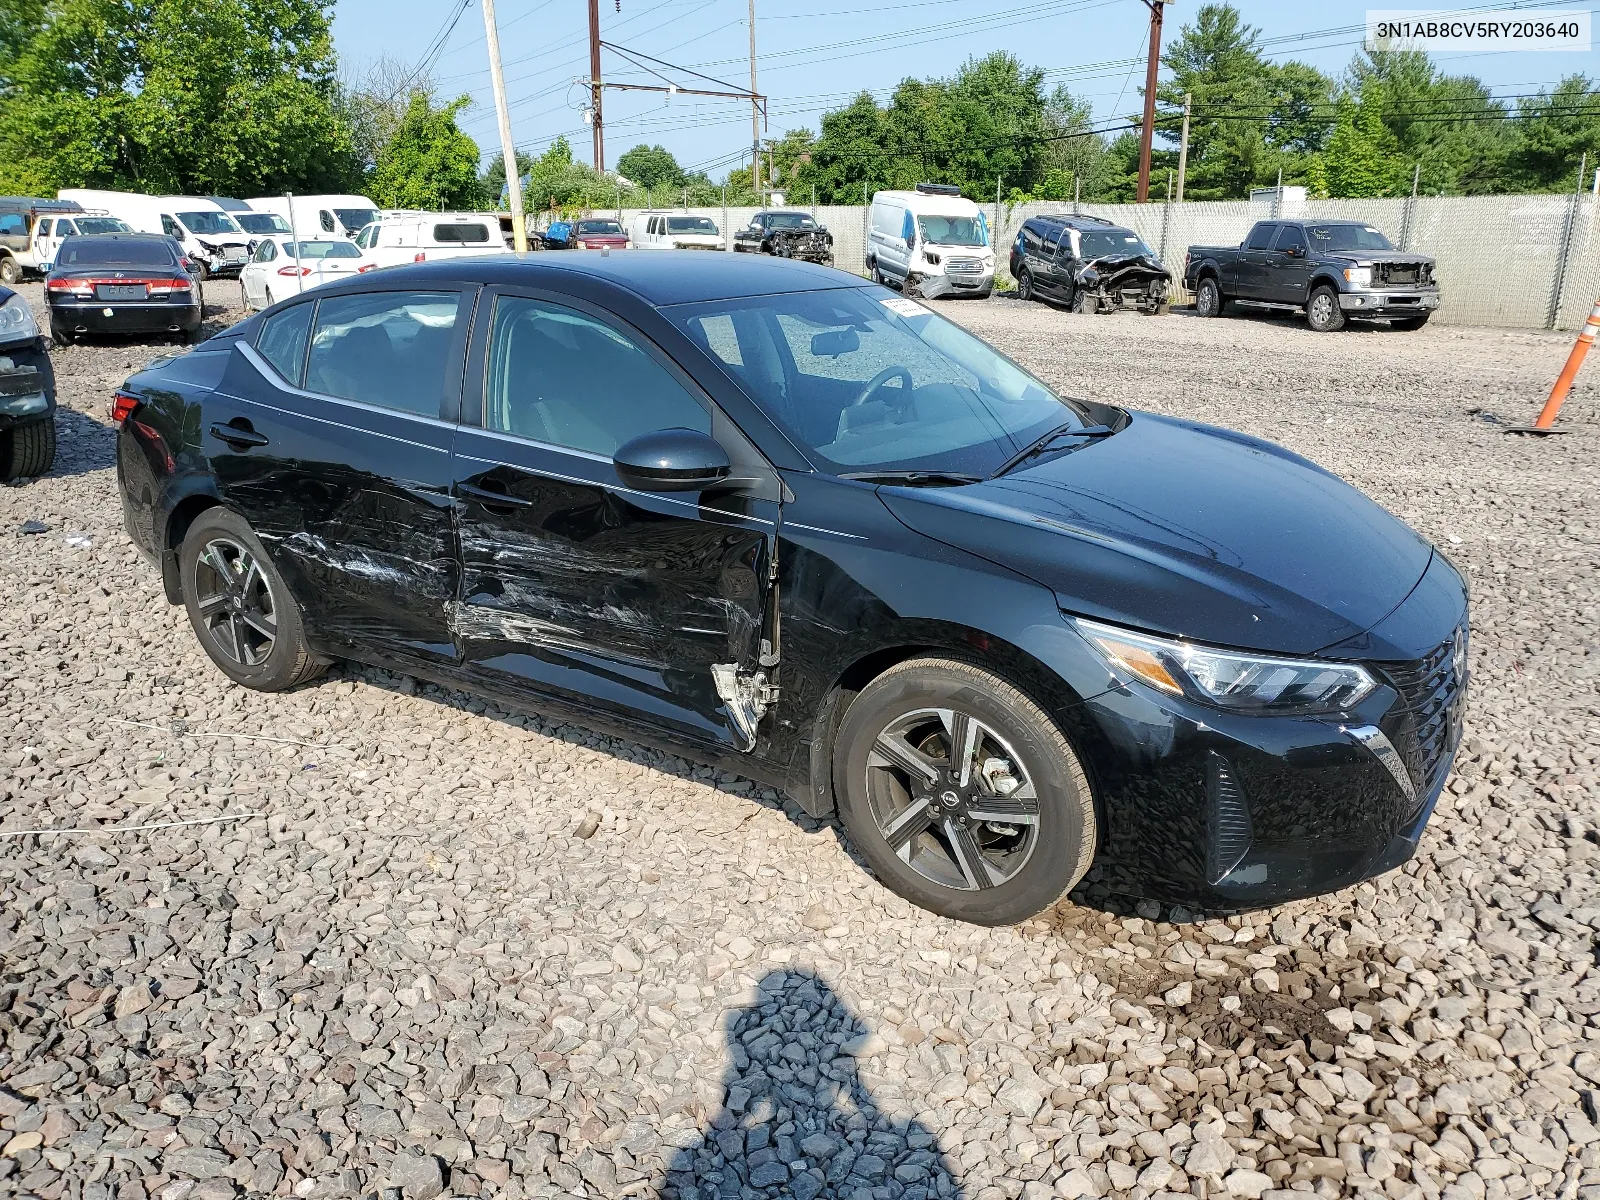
<point x="813" y="55"/>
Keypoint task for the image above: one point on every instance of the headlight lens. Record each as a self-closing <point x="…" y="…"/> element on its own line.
<point x="1360" y="276"/>
<point x="16" y="321"/>
<point x="1252" y="683"/>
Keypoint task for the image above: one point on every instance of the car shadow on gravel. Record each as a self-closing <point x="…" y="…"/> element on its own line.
<point x="83" y="445"/>
<point x="797" y="1119"/>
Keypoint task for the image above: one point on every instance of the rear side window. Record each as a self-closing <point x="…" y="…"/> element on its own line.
<point x="388" y="349"/>
<point x="461" y="233"/>
<point x="282" y="340"/>
<point x="1261" y="236"/>
<point x="12" y="225"/>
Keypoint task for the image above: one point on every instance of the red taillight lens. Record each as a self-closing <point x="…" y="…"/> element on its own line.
<point x="122" y="407"/>
<point x="364" y="268"/>
<point x="169" y="287"/>
<point x="293" y="271"/>
<point x="70" y="287"/>
<point x="421" y="256"/>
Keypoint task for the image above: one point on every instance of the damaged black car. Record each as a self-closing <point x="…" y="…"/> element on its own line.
<point x="27" y="393"/>
<point x="1089" y="265"/>
<point x="767" y="515"/>
<point x="786" y="235"/>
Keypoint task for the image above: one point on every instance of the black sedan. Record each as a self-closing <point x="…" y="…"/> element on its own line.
<point x="121" y="283"/>
<point x="775" y="518"/>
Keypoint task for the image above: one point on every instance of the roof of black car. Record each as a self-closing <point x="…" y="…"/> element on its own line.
<point x="1077" y="220"/>
<point x="671" y="277"/>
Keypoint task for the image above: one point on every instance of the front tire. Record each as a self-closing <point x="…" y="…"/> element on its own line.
<point x="10" y="271"/>
<point x="1323" y="313"/>
<point x="994" y="833"/>
<point x="1025" y="285"/>
<point x="28" y="451"/>
<point x="1208" y="298"/>
<point x="240" y="608"/>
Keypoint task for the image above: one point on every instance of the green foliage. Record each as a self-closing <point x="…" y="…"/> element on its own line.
<point x="429" y="163"/>
<point x="493" y="182"/>
<point x="1556" y="132"/>
<point x="232" y="97"/>
<point x="1363" y="158"/>
<point x="651" y="167"/>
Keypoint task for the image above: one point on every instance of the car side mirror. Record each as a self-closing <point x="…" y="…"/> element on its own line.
<point x="831" y="343"/>
<point x="1295" y="251"/>
<point x="671" y="460"/>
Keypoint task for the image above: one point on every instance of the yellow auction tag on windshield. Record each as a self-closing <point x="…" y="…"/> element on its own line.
<point x="902" y="307"/>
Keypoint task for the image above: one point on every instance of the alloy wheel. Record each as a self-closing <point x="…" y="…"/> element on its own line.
<point x="1321" y="308"/>
<point x="235" y="602"/>
<point x="952" y="799"/>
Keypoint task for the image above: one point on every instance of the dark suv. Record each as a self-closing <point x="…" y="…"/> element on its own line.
<point x="1088" y="264"/>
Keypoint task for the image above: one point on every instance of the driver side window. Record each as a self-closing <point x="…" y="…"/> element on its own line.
<point x="558" y="376"/>
<point x="1290" y="238"/>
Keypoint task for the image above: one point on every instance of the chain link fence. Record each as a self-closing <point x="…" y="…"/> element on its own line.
<point x="1516" y="262"/>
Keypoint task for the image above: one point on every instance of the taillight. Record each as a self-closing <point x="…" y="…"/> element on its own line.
<point x="364" y="268"/>
<point x="122" y="406"/>
<point x="292" y="271"/>
<point x="421" y="256"/>
<point x="70" y="287"/>
<point x="168" y="287"/>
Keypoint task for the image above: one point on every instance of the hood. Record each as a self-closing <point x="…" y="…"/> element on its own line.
<point x="1119" y="267"/>
<point x="1378" y="256"/>
<point x="1185" y="529"/>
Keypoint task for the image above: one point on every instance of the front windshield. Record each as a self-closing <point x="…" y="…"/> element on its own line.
<point x="599" y="227"/>
<point x="866" y="380"/>
<point x="356" y="218"/>
<point x="93" y="225"/>
<point x="315" y="250"/>
<point x="953" y="231"/>
<point x="691" y="225"/>
<point x="790" y="221"/>
<point x="208" y="222"/>
<point x="262" y="223"/>
<point x="1347" y="237"/>
<point x="1099" y="243"/>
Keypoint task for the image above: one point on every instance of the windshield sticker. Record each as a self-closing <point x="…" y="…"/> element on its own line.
<point x="902" y="307"/>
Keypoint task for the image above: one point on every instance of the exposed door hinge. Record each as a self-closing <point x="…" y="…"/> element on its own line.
<point x="747" y="697"/>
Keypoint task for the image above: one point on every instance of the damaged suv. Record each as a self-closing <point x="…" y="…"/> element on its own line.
<point x="786" y="235"/>
<point x="1088" y="264"/>
<point x="27" y="393"/>
<point x="768" y="515"/>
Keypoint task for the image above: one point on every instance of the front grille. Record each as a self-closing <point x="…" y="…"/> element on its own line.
<point x="1392" y="273"/>
<point x="1434" y="690"/>
<point x="964" y="266"/>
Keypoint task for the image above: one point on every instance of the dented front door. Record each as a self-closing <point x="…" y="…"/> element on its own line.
<point x="629" y="602"/>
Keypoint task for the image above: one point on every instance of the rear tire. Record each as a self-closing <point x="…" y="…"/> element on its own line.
<point x="28" y="451"/>
<point x="997" y="834"/>
<point x="240" y="608"/>
<point x="1208" y="298"/>
<point x="1410" y="323"/>
<point x="1323" y="313"/>
<point x="10" y="270"/>
<point x="1025" y="285"/>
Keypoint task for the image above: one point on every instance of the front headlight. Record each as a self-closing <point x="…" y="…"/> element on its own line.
<point x="16" y="321"/>
<point x="1251" y="683"/>
<point x="1360" y="276"/>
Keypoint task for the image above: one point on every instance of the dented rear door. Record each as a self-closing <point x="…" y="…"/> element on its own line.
<point x="572" y="584"/>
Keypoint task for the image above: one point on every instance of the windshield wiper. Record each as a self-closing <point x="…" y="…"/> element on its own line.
<point x="914" y="478"/>
<point x="1040" y="445"/>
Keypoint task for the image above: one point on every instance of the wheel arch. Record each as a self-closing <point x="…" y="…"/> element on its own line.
<point x="1320" y="278"/>
<point x="182" y="515"/>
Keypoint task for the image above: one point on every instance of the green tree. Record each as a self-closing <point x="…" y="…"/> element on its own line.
<point x="1555" y="130"/>
<point x="429" y="163"/>
<point x="651" y="167"/>
<point x="196" y="96"/>
<point x="493" y="181"/>
<point x="1363" y="155"/>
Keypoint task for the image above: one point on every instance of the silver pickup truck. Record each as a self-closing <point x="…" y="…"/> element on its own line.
<point x="1334" y="270"/>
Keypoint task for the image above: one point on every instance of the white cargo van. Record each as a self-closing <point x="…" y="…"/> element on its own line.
<point x="48" y="233"/>
<point x="405" y="237"/>
<point x="674" y="231"/>
<point x="314" y="215"/>
<point x="930" y="242"/>
<point x="209" y="237"/>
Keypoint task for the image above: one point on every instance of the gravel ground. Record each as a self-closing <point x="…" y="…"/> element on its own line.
<point x="449" y="949"/>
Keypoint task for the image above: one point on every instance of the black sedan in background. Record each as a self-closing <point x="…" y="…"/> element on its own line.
<point x="770" y="516"/>
<point x="122" y="283"/>
<point x="27" y="393"/>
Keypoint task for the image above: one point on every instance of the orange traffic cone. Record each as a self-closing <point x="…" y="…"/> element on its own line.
<point x="1558" y="394"/>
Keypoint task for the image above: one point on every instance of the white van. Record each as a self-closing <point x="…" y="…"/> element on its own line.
<point x="209" y="237"/>
<point x="405" y="237"/>
<point x="674" y="231"/>
<point x="931" y="242"/>
<point x="314" y="215"/>
<point x="48" y="233"/>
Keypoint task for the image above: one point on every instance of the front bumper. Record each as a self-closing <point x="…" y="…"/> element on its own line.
<point x="934" y="286"/>
<point x="1225" y="811"/>
<point x="1389" y="303"/>
<point x="122" y="317"/>
<point x="27" y="384"/>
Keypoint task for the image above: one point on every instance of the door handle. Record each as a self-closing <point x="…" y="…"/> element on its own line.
<point x="238" y="436"/>
<point x="492" y="498"/>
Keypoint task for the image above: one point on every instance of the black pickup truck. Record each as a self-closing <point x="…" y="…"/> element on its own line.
<point x="1335" y="270"/>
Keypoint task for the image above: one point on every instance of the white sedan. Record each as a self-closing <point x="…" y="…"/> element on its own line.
<point x="282" y="267"/>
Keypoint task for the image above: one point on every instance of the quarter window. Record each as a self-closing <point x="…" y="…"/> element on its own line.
<point x="12" y="225"/>
<point x="388" y="349"/>
<point x="560" y="377"/>
<point x="282" y="340"/>
<point x="325" y="219"/>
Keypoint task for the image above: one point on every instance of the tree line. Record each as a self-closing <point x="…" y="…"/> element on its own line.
<point x="246" y="97"/>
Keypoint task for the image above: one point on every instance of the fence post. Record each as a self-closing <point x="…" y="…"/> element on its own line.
<point x="1166" y="218"/>
<point x="866" y="227"/>
<point x="727" y="234"/>
<point x="1277" y="197"/>
<point x="1566" y="245"/>
<point x="994" y="238"/>
<point x="1411" y="204"/>
<point x="1077" y="188"/>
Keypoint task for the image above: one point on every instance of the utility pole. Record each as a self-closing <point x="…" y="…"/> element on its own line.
<point x="755" y="110"/>
<point x="595" y="88"/>
<point x="1183" y="148"/>
<point x="1151" y="67"/>
<point x="508" y="148"/>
